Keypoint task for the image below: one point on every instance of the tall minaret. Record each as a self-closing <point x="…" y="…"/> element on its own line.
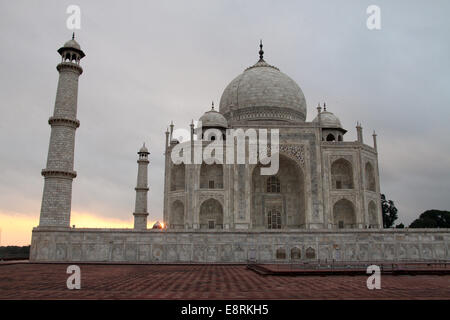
<point x="359" y="132"/>
<point x="57" y="195"/>
<point x="140" y="212"/>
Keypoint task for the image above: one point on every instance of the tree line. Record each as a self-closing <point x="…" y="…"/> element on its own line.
<point x="429" y="219"/>
<point x="14" y="253"/>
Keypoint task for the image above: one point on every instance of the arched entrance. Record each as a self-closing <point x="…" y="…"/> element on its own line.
<point x="373" y="220"/>
<point x="211" y="215"/>
<point x="370" y="177"/>
<point x="344" y="214"/>
<point x="341" y="174"/>
<point x="278" y="202"/>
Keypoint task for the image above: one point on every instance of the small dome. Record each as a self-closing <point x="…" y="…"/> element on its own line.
<point x="72" y="44"/>
<point x="157" y="225"/>
<point x="328" y="120"/>
<point x="143" y="149"/>
<point x="214" y="119"/>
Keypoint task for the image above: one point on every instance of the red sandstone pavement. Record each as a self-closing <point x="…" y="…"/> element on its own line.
<point x="48" y="281"/>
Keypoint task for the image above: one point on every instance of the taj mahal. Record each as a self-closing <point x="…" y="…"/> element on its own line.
<point x="322" y="204"/>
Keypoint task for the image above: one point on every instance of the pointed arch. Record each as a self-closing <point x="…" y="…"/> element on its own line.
<point x="370" y="177"/>
<point x="282" y="193"/>
<point x="281" y="254"/>
<point x="295" y="253"/>
<point x="372" y="211"/>
<point x="341" y="174"/>
<point x="211" y="214"/>
<point x="344" y="214"/>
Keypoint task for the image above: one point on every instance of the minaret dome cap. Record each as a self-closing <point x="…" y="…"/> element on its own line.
<point x="72" y="44"/>
<point x="143" y="149"/>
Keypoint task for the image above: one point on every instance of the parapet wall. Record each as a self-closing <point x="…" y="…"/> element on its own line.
<point x="162" y="246"/>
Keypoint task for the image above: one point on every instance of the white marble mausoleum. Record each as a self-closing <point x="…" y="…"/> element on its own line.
<point x="323" y="203"/>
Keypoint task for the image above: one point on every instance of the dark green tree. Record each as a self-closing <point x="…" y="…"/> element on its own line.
<point x="432" y="219"/>
<point x="389" y="212"/>
<point x="14" y="252"/>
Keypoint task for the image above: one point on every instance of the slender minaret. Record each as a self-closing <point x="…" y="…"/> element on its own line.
<point x="57" y="194"/>
<point x="374" y="135"/>
<point x="140" y="211"/>
<point x="166" y="178"/>
<point x="359" y="132"/>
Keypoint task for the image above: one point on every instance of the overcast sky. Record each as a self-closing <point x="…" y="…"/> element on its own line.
<point x="150" y="62"/>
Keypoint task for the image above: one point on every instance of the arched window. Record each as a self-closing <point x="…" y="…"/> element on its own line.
<point x="370" y="177"/>
<point x="344" y="214"/>
<point x="310" y="253"/>
<point x="372" y="208"/>
<point x="295" y="253"/>
<point x="211" y="215"/>
<point x="212" y="134"/>
<point x="284" y="191"/>
<point x="330" y="137"/>
<point x="341" y="174"/>
<point x="281" y="254"/>
<point x="273" y="185"/>
<point x="274" y="219"/>
<point x="339" y="137"/>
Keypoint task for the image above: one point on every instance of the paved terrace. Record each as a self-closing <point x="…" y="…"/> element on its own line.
<point x="48" y="281"/>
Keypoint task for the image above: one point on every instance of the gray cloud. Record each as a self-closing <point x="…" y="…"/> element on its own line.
<point x="151" y="62"/>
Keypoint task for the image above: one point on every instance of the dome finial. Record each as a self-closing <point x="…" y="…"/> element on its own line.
<point x="212" y="105"/>
<point x="261" y="52"/>
<point x="324" y="106"/>
<point x="73" y="35"/>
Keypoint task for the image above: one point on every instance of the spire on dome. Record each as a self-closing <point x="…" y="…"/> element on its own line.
<point x="261" y="52"/>
<point x="73" y="35"/>
<point x="212" y="105"/>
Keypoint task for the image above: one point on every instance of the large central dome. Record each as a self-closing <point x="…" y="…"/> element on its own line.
<point x="263" y="92"/>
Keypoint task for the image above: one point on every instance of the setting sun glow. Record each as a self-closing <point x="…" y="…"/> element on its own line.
<point x="15" y="228"/>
